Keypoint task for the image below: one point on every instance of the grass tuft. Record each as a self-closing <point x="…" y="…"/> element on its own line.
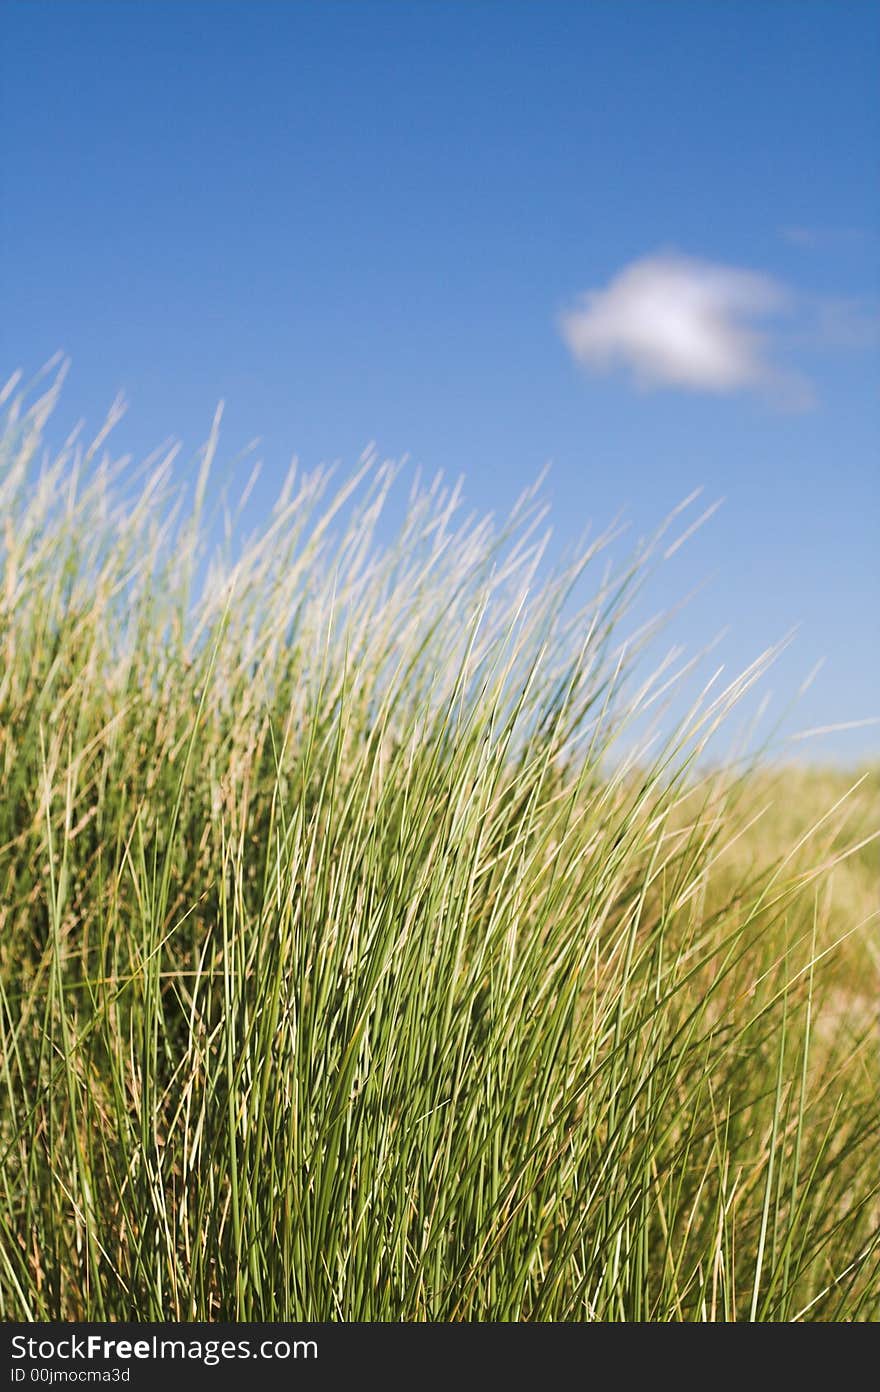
<point x="358" y="962"/>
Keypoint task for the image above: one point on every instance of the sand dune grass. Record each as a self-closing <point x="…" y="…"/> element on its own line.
<point x="357" y="963"/>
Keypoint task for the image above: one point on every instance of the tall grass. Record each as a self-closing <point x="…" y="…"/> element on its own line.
<point x="358" y="962"/>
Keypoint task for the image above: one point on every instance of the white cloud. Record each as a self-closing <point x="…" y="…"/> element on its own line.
<point x="678" y="322"/>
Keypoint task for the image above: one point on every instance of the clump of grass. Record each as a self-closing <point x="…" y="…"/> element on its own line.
<point x="350" y="966"/>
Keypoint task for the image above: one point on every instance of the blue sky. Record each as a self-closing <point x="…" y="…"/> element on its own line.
<point x="638" y="240"/>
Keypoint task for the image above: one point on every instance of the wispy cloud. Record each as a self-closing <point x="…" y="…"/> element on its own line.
<point x="674" y="321"/>
<point x="822" y="238"/>
<point x="838" y="321"/>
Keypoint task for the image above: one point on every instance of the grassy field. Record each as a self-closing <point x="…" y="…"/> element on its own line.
<point x="357" y="962"/>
